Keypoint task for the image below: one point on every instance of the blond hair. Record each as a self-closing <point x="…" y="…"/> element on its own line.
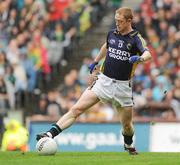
<point x="126" y="12"/>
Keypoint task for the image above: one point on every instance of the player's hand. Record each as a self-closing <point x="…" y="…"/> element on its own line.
<point x="135" y="59"/>
<point x="92" y="66"/>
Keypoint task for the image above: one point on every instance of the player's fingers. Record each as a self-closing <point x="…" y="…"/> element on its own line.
<point x="91" y="71"/>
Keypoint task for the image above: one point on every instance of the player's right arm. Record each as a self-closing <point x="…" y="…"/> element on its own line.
<point x="99" y="57"/>
<point x="101" y="54"/>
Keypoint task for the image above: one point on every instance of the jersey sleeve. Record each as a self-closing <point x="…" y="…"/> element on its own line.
<point x="107" y="42"/>
<point x="140" y="43"/>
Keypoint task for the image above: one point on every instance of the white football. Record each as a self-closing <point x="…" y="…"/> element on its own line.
<point x="46" y="146"/>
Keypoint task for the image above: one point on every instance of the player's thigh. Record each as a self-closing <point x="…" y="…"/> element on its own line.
<point x="125" y="114"/>
<point x="87" y="99"/>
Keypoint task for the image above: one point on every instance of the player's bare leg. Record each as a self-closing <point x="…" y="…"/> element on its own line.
<point x="87" y="99"/>
<point x="125" y="115"/>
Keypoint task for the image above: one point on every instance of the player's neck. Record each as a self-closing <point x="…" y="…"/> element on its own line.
<point x="126" y="31"/>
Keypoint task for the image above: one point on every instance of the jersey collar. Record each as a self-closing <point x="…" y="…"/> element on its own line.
<point x="131" y="34"/>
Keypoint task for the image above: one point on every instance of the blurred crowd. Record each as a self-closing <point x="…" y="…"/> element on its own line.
<point x="157" y="83"/>
<point x="35" y="36"/>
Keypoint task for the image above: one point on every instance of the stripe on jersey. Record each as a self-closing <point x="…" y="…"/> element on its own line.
<point x="133" y="70"/>
<point x="142" y="40"/>
<point x="102" y="66"/>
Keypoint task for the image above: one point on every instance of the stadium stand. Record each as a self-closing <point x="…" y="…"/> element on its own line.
<point x="157" y="85"/>
<point x="37" y="38"/>
<point x="37" y="35"/>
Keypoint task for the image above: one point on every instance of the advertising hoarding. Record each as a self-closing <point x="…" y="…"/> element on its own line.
<point x="92" y="137"/>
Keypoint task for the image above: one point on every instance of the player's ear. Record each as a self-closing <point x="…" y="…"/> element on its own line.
<point x="129" y="20"/>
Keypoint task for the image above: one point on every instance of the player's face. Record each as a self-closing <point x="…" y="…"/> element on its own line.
<point x="121" y="23"/>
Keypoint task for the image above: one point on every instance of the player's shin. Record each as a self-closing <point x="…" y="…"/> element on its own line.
<point x="128" y="133"/>
<point x="67" y="120"/>
<point x="64" y="122"/>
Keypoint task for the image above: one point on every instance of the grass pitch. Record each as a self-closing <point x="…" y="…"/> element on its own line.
<point x="89" y="158"/>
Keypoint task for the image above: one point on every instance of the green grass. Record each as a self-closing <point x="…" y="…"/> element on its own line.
<point x="89" y="158"/>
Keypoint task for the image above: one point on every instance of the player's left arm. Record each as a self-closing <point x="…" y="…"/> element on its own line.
<point x="146" y="56"/>
<point x="141" y="47"/>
